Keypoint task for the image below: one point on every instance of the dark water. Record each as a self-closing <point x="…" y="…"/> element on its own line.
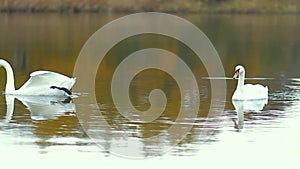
<point x="267" y="45"/>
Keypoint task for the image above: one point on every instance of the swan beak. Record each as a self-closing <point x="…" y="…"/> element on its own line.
<point x="236" y="74"/>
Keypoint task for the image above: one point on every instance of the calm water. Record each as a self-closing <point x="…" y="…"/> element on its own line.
<point x="47" y="131"/>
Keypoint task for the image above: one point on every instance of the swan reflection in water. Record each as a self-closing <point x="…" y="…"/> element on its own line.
<point x="41" y="107"/>
<point x="242" y="106"/>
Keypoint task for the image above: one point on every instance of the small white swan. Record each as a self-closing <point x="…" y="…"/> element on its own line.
<point x="40" y="83"/>
<point x="248" y="91"/>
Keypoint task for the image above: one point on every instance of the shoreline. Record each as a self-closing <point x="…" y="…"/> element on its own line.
<point x="167" y="6"/>
<point x="76" y="11"/>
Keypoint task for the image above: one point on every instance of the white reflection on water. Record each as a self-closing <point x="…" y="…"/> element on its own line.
<point x="243" y="106"/>
<point x="41" y="107"/>
<point x="270" y="138"/>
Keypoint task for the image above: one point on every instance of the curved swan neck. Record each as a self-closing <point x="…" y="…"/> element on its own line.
<point x="10" y="82"/>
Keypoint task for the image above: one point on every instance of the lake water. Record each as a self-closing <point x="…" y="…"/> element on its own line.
<point x="47" y="132"/>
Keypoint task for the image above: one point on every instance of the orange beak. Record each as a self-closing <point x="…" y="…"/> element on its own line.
<point x="236" y="74"/>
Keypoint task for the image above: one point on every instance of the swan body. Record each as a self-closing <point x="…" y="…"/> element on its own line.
<point x="248" y="91"/>
<point x="45" y="83"/>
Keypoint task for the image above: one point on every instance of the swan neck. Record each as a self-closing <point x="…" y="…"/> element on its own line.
<point x="10" y="82"/>
<point x="241" y="82"/>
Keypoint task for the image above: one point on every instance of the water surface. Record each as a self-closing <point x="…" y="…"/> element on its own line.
<point x="267" y="45"/>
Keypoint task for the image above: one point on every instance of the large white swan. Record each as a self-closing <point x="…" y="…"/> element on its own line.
<point x="248" y="91"/>
<point x="40" y="83"/>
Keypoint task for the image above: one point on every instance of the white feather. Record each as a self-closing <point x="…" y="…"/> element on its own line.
<point x="248" y="91"/>
<point x="39" y="83"/>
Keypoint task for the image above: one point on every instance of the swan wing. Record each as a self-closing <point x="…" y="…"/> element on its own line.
<point x="251" y="92"/>
<point x="256" y="91"/>
<point x="40" y="82"/>
<point x="255" y="87"/>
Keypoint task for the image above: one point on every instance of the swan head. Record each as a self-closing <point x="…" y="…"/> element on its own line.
<point x="239" y="70"/>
